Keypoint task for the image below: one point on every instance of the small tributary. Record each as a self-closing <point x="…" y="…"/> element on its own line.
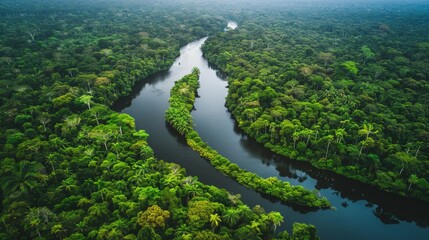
<point x="362" y="212"/>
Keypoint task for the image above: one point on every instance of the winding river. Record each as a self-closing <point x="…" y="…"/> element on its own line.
<point x="362" y="212"/>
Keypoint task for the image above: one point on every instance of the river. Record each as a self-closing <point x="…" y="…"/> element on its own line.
<point x="362" y="212"/>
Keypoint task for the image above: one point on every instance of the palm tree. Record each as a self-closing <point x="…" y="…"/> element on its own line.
<point x="34" y="221"/>
<point x="255" y="226"/>
<point x="295" y="137"/>
<point x="101" y="184"/>
<point x="117" y="147"/>
<point x="121" y="224"/>
<point x="192" y="190"/>
<point x="31" y="146"/>
<point x="44" y="119"/>
<point x="184" y="90"/>
<point x="182" y="230"/>
<point x="215" y="220"/>
<point x="340" y="133"/>
<point x="329" y="138"/>
<point x="21" y="177"/>
<point x="245" y="212"/>
<point x="39" y="218"/>
<point x="72" y="121"/>
<point x="98" y="211"/>
<point x="7" y="166"/>
<point x="170" y="180"/>
<point x="86" y="99"/>
<point x="69" y="184"/>
<point x="120" y="185"/>
<point x="276" y="218"/>
<point x="365" y="143"/>
<point x="418" y="145"/>
<point x="307" y="133"/>
<point x="146" y="152"/>
<point x="412" y="180"/>
<point x="366" y="130"/>
<point x="51" y="160"/>
<point x="140" y="170"/>
<point x="231" y="217"/>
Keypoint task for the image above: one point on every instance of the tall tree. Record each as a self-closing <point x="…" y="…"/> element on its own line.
<point x="21" y="177"/>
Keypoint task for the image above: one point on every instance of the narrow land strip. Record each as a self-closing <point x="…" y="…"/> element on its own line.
<point x="182" y="98"/>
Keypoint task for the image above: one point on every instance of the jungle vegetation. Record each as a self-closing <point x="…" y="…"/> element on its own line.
<point x="346" y="90"/>
<point x="178" y="115"/>
<point x="71" y="168"/>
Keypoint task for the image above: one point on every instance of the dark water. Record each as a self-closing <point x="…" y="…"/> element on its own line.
<point x="362" y="212"/>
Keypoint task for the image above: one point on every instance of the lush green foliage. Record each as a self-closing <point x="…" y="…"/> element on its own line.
<point x="70" y="167"/>
<point x="178" y="114"/>
<point x="346" y="90"/>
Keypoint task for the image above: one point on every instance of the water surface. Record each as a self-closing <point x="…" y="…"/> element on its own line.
<point x="362" y="212"/>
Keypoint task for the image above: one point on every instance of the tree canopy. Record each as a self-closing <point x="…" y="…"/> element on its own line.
<point x="72" y="168"/>
<point x="347" y="92"/>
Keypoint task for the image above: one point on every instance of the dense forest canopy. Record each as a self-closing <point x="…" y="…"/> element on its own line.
<point x="181" y="103"/>
<point x="343" y="85"/>
<point x="71" y="168"/>
<point x="346" y="89"/>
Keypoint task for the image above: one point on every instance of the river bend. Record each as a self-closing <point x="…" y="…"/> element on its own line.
<point x="362" y="212"/>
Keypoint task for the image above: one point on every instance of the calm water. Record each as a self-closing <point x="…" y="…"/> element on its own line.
<point x="362" y="212"/>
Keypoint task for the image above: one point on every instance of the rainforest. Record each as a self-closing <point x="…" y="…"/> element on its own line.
<point x="214" y="119"/>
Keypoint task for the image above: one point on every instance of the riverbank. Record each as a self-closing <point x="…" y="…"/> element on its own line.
<point x="371" y="209"/>
<point x="178" y="115"/>
<point x="297" y="118"/>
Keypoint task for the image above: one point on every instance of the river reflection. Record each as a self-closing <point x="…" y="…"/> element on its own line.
<point x="391" y="208"/>
<point x="363" y="212"/>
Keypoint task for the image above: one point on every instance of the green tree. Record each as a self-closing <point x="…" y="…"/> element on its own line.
<point x="44" y="119"/>
<point x="97" y="212"/>
<point x="103" y="133"/>
<point x="366" y="130"/>
<point x="412" y="180"/>
<point x="326" y="57"/>
<point x="367" y="53"/>
<point x="153" y="217"/>
<point x="303" y="231"/>
<point x="122" y="120"/>
<point x="86" y="99"/>
<point x="200" y="211"/>
<point x="329" y="139"/>
<point x="215" y="220"/>
<point x="30" y="149"/>
<point x="351" y="67"/>
<point x="182" y="230"/>
<point x="276" y="218"/>
<point x="21" y="177"/>
<point x="69" y="184"/>
<point x="39" y="219"/>
<point x="231" y="217"/>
